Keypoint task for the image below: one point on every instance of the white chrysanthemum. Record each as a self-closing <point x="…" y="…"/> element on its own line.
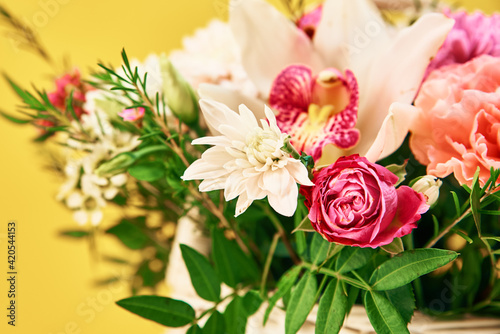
<point x="247" y="160"/>
<point x="211" y="55"/>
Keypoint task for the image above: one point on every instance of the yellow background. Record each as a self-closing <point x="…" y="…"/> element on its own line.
<point x="55" y="282"/>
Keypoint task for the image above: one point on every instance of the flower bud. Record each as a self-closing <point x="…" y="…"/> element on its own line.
<point x="179" y="95"/>
<point x="117" y="165"/>
<point x="429" y="186"/>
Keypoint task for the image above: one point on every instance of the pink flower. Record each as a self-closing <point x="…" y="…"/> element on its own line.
<point x="457" y="128"/>
<point x="354" y="202"/>
<point x="318" y="110"/>
<point x="309" y="21"/>
<point x="65" y="85"/>
<point x="472" y="35"/>
<point x="132" y="114"/>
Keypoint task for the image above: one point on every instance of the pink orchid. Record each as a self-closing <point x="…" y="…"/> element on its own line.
<point x="389" y="64"/>
<point x="132" y="114"/>
<point x="318" y="110"/>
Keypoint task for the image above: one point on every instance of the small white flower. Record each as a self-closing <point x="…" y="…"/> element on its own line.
<point x="247" y="160"/>
<point x="429" y="186"/>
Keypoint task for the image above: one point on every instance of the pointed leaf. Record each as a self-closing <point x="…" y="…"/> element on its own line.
<point x="475" y="203"/>
<point x="75" y="233"/>
<point x="319" y="249"/>
<point x="395" y="247"/>
<point x="404" y="301"/>
<point x="383" y="316"/>
<point x="231" y="264"/>
<point x="203" y="276"/>
<point x="301" y="302"/>
<point x="332" y="309"/>
<point x="129" y="234"/>
<point x="163" y="310"/>
<point x="215" y="324"/>
<point x="399" y="171"/>
<point x="148" y="171"/>
<point x="305" y="225"/>
<point x="235" y="316"/>
<point x="352" y="258"/>
<point x="14" y="119"/>
<point x="284" y="285"/>
<point x="409" y="265"/>
<point x="194" y="330"/>
<point x="251" y="302"/>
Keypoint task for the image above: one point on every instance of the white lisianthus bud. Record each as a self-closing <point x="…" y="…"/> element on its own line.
<point x="429" y="186"/>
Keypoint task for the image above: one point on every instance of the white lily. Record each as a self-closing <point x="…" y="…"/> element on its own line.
<point x="247" y="160"/>
<point x="389" y="65"/>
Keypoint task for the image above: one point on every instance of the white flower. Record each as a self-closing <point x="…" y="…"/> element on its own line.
<point x="247" y="160"/>
<point x="429" y="186"/>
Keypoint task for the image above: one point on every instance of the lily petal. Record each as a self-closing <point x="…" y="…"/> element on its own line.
<point x="396" y="74"/>
<point x="251" y="22"/>
<point x="392" y="132"/>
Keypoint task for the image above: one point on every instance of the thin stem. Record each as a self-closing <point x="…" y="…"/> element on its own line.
<point x="276" y="222"/>
<point x="267" y="265"/>
<point x="325" y="271"/>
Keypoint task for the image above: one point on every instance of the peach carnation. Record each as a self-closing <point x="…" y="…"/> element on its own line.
<point x="458" y="124"/>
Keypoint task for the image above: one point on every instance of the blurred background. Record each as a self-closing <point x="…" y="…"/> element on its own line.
<point x="56" y="276"/>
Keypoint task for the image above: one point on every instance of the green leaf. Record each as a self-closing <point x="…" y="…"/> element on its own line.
<point x="232" y="265"/>
<point x="203" y="276"/>
<point x="284" y="285"/>
<point x="75" y="233"/>
<point x="195" y="329"/>
<point x="383" y="316"/>
<point x="235" y="316"/>
<point x="332" y="309"/>
<point x="475" y="203"/>
<point x="163" y="310"/>
<point x="399" y="171"/>
<point x="14" y="119"/>
<point x="305" y="225"/>
<point x="302" y="301"/>
<point x="251" y="302"/>
<point x="457" y="204"/>
<point x="129" y="234"/>
<point x="352" y="258"/>
<point x="395" y="247"/>
<point x="463" y="235"/>
<point x="215" y="324"/>
<point x="404" y="301"/>
<point x="148" y="171"/>
<point x="491" y="238"/>
<point x="318" y="249"/>
<point x="407" y="266"/>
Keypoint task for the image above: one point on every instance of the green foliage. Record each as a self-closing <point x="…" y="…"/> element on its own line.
<point x="78" y="234"/>
<point x="352" y="258"/>
<point x="407" y="266"/>
<point x="319" y="249"/>
<point x="215" y="324"/>
<point x="235" y="316"/>
<point x="203" y="276"/>
<point x="130" y="234"/>
<point x="163" y="310"/>
<point x="383" y="315"/>
<point x="284" y="286"/>
<point x="301" y="302"/>
<point x="333" y="307"/>
<point x="147" y="171"/>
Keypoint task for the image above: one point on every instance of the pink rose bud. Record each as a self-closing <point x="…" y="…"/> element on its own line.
<point x="132" y="114"/>
<point x="354" y="202"/>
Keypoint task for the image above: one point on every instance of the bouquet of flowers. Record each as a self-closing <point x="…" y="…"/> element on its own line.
<point x="346" y="152"/>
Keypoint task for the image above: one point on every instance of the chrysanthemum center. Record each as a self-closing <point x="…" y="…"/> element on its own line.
<point x="262" y="145"/>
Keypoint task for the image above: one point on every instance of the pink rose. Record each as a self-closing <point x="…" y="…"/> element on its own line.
<point x="354" y="202"/>
<point x="458" y="124"/>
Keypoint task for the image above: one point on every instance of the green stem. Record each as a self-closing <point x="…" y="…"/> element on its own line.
<point x="337" y="275"/>
<point x="267" y="265"/>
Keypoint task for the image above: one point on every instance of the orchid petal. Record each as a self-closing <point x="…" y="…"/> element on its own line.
<point x="251" y="22"/>
<point x="347" y="32"/>
<point x="392" y="132"/>
<point x="397" y="73"/>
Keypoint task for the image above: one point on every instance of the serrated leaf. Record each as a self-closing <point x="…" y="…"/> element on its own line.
<point x="129" y="234"/>
<point x="332" y="309"/>
<point x="75" y="234"/>
<point x="301" y="302"/>
<point x="215" y="324"/>
<point x="318" y="249"/>
<point x="166" y="311"/>
<point x="235" y="316"/>
<point x="148" y="171"/>
<point x="475" y="203"/>
<point x="232" y="265"/>
<point x="395" y="247"/>
<point x="383" y="316"/>
<point x="352" y="258"/>
<point x="404" y="301"/>
<point x="284" y="285"/>
<point x="203" y="276"/>
<point x="407" y="266"/>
